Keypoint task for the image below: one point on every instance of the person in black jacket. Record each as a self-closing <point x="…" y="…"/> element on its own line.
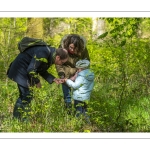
<point x="25" y="69"/>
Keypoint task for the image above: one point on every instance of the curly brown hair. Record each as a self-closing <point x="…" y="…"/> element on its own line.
<point x="76" y="40"/>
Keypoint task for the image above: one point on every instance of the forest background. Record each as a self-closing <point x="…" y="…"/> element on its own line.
<point x="119" y="49"/>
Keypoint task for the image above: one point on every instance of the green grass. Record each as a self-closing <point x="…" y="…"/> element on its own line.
<point x="119" y="101"/>
<point x="47" y="112"/>
<point x="49" y="115"/>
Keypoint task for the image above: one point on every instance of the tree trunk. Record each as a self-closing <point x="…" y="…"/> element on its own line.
<point x="98" y="27"/>
<point x="35" y="27"/>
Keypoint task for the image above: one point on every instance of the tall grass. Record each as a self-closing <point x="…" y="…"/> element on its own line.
<point x="47" y="112"/>
<point x="119" y="101"/>
<point x="49" y="115"/>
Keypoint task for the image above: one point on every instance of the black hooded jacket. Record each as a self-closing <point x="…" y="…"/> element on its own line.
<point x="29" y="64"/>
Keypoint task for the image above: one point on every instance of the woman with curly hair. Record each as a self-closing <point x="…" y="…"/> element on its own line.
<point x="76" y="47"/>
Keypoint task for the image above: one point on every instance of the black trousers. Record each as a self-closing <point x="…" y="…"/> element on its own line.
<point x="22" y="105"/>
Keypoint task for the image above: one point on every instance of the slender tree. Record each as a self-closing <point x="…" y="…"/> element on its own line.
<point x="35" y="27"/>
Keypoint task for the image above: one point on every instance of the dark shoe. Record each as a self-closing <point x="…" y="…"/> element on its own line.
<point x="21" y="111"/>
<point x="17" y="112"/>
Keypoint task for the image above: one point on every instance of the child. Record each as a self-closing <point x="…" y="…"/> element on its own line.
<point x="82" y="86"/>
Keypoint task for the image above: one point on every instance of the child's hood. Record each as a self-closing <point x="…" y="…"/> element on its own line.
<point x="87" y="73"/>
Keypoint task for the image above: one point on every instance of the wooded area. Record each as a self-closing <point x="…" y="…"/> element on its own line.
<point x="119" y="49"/>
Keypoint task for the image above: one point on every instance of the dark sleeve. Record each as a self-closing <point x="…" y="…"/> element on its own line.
<point x="36" y="66"/>
<point x="32" y="71"/>
<point x="48" y="77"/>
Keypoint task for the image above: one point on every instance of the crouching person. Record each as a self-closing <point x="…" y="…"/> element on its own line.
<point x="25" y="69"/>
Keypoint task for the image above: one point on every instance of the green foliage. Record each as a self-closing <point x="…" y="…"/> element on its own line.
<point x="120" y="60"/>
<point x="122" y="77"/>
<point x="11" y="29"/>
<point x="47" y="112"/>
<point x="103" y="35"/>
